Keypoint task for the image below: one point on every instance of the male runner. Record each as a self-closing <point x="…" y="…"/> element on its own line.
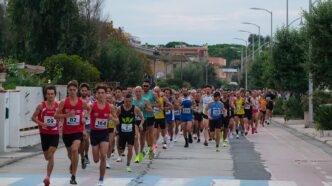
<point x="101" y="113"/>
<point x="187" y="105"/>
<point x="48" y="128"/>
<point x="111" y="132"/>
<point x="126" y="114"/>
<point x="198" y="116"/>
<point x="239" y="113"/>
<point x="207" y="98"/>
<point x="71" y="110"/>
<point x="169" y="113"/>
<point x="177" y="113"/>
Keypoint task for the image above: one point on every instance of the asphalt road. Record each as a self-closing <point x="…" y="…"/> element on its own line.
<point x="274" y="157"/>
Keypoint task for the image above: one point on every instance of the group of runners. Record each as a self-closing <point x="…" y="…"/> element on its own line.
<point x="137" y="118"/>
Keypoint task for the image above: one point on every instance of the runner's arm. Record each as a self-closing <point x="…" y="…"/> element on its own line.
<point x="59" y="115"/>
<point x="113" y="114"/>
<point x="139" y="114"/>
<point x="35" y="115"/>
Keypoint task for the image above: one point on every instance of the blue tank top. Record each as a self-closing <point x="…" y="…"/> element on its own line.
<point x="216" y="110"/>
<point x="149" y="97"/>
<point x="186" y="112"/>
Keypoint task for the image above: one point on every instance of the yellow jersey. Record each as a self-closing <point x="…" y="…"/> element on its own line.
<point x="239" y="109"/>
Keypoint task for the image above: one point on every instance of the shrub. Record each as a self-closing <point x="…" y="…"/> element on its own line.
<point x="278" y="107"/>
<point x="293" y="108"/>
<point x="323" y="117"/>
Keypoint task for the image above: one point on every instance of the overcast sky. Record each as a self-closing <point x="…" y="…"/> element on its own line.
<point x="198" y="21"/>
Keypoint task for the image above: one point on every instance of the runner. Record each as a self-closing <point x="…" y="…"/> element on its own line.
<point x="207" y="98"/>
<point x="160" y="120"/>
<point x="84" y="148"/>
<point x="48" y="128"/>
<point x="255" y="111"/>
<point x="248" y="112"/>
<point x="225" y="119"/>
<point x="239" y="114"/>
<point x="101" y="113"/>
<point x="169" y="113"/>
<point x="215" y="110"/>
<point x="270" y="97"/>
<point x="262" y="109"/>
<point x="198" y="116"/>
<point x="127" y="114"/>
<point x="119" y="100"/>
<point x="177" y="114"/>
<point x="111" y="128"/>
<point x="152" y="97"/>
<point x="142" y="104"/>
<point x="187" y="105"/>
<point x="71" y="110"/>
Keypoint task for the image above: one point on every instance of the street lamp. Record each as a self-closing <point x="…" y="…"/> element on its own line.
<point x="299" y="18"/>
<point x="270" y="12"/>
<point x="259" y="35"/>
<point x="246" y="69"/>
<point x="253" y="43"/>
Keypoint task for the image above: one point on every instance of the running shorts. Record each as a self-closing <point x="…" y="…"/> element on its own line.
<point x="98" y="136"/>
<point x="48" y="141"/>
<point x="68" y="139"/>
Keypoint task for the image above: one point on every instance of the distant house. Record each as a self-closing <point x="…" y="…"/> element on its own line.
<point x="219" y="63"/>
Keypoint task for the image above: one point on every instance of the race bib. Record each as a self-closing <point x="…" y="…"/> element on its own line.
<point x="177" y="112"/>
<point x="247" y="107"/>
<point x="126" y="127"/>
<point x="137" y="118"/>
<point x="238" y="108"/>
<point x="87" y="121"/>
<point x="186" y="110"/>
<point x="156" y="110"/>
<point x="216" y="112"/>
<point x="101" y="123"/>
<point x="168" y="112"/>
<point x="74" y="120"/>
<point x="50" y="121"/>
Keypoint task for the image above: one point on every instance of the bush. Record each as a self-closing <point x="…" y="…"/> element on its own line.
<point x="62" y="68"/>
<point x="278" y="107"/>
<point x="293" y="108"/>
<point x="323" y="117"/>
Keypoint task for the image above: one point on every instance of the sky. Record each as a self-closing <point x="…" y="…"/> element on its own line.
<point x="199" y="21"/>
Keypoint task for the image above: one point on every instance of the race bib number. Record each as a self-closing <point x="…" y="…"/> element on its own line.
<point x="50" y="121"/>
<point x="87" y="121"/>
<point x="101" y="123"/>
<point x="75" y="120"/>
<point x="168" y="112"/>
<point x="216" y="112"/>
<point x="247" y="107"/>
<point x="126" y="127"/>
<point x="177" y="112"/>
<point x="238" y="108"/>
<point x="156" y="110"/>
<point x="186" y="111"/>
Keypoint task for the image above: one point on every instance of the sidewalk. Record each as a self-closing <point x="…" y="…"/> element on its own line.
<point x="298" y="125"/>
<point x="15" y="155"/>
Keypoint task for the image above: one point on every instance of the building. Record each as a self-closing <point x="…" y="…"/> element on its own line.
<point x="219" y="63"/>
<point x="197" y="54"/>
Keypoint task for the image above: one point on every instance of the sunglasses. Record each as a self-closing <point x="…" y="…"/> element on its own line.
<point x="145" y="85"/>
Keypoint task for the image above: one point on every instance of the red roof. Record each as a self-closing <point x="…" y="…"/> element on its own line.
<point x="217" y="61"/>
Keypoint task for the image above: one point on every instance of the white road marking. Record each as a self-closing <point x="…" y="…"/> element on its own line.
<point x="328" y="177"/>
<point x="251" y="182"/>
<point x="327" y="183"/>
<point x="58" y="181"/>
<point x="282" y="183"/>
<point x="173" y="182"/>
<point x="226" y="183"/>
<point x="8" y="181"/>
<point x="117" y="181"/>
<point x="318" y="168"/>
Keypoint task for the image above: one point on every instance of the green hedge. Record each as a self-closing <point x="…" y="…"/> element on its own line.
<point x="323" y="117"/>
<point x="278" y="108"/>
<point x="293" y="108"/>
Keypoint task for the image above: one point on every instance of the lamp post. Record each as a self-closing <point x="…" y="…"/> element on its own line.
<point x="270" y="12"/>
<point x="310" y="83"/>
<point x="259" y="35"/>
<point x="299" y="18"/>
<point x="253" y="43"/>
<point x="246" y="69"/>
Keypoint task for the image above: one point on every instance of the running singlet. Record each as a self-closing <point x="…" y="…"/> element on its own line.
<point x="206" y="101"/>
<point x="88" y="119"/>
<point x="127" y="121"/>
<point x="216" y="110"/>
<point x="239" y="107"/>
<point x="149" y="97"/>
<point x="227" y="107"/>
<point x="256" y="104"/>
<point x="177" y="111"/>
<point x="47" y="116"/>
<point x="100" y="118"/>
<point x="159" y="112"/>
<point x="198" y="109"/>
<point x="263" y="104"/>
<point x="248" y="107"/>
<point x="169" y="113"/>
<point x="73" y="124"/>
<point x="186" y="112"/>
<point x="139" y="105"/>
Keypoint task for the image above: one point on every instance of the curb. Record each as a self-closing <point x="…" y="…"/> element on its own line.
<point x="327" y="142"/>
<point x="16" y="159"/>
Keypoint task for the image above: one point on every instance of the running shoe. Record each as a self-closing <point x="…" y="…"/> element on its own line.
<point x="198" y="140"/>
<point x="119" y="159"/>
<point x="190" y="139"/>
<point x="129" y="169"/>
<point x="83" y="163"/>
<point x="175" y="138"/>
<point x="165" y="146"/>
<point x="224" y="143"/>
<point x="47" y="181"/>
<point x="150" y="153"/>
<point x="108" y="166"/>
<point x="206" y="144"/>
<point x="141" y="157"/>
<point x="73" y="181"/>
<point x="123" y="154"/>
<point x="217" y="149"/>
<point x="86" y="158"/>
<point x="137" y="158"/>
<point x="186" y="145"/>
<point x="237" y="136"/>
<point x="101" y="183"/>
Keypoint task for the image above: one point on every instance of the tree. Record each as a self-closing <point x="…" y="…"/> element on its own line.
<point x="319" y="31"/>
<point x="62" y="68"/>
<point x="288" y="63"/>
<point x="259" y="72"/>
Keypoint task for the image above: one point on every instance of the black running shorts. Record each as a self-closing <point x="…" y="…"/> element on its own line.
<point x="126" y="139"/>
<point x="48" y="141"/>
<point x="160" y="123"/>
<point x="215" y="124"/>
<point x="98" y="136"/>
<point x="68" y="139"/>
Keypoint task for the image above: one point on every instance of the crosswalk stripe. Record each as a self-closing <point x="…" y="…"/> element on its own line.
<point x="327" y="183"/>
<point x="173" y="181"/>
<point x="251" y="183"/>
<point x="117" y="181"/>
<point x="8" y="181"/>
<point x="57" y="181"/>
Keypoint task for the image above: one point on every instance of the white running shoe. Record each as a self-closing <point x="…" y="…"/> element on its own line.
<point x="108" y="166"/>
<point x="165" y="146"/>
<point x="237" y="136"/>
<point x="175" y="138"/>
<point x="101" y="183"/>
<point x="119" y="159"/>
